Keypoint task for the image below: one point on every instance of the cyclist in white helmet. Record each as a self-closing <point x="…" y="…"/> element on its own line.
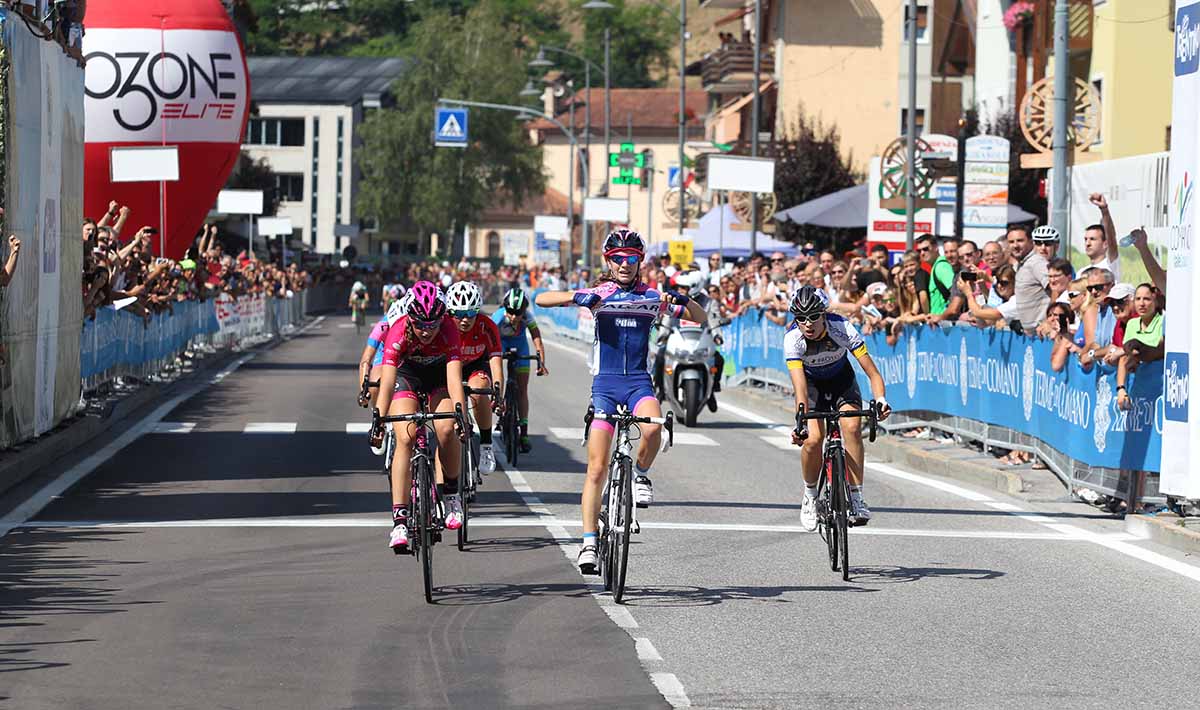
<point x="479" y="345"/>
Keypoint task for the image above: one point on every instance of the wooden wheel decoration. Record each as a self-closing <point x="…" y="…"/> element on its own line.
<point x="894" y="169"/>
<point x="1037" y="115"/>
<point x="670" y="205"/>
<point x="742" y="204"/>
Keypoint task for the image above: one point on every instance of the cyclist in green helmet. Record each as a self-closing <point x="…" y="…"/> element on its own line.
<point x="513" y="319"/>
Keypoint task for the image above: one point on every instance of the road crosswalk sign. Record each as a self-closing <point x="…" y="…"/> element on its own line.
<point x="450" y="127"/>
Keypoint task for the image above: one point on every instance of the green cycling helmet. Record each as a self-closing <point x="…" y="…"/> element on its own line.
<point x="515" y="301"/>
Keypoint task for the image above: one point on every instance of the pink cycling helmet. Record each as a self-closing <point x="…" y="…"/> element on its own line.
<point x="425" y="303"/>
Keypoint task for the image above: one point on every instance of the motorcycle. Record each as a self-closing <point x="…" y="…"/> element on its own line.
<point x="686" y="366"/>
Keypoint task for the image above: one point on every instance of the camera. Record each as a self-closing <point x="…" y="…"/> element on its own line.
<point x="969" y="276"/>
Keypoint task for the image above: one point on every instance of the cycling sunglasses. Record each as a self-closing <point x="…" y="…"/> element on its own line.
<point x="622" y="259"/>
<point x="425" y="325"/>
<point x="465" y="314"/>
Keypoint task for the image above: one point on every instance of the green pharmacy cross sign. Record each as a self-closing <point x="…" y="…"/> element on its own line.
<point x="626" y="160"/>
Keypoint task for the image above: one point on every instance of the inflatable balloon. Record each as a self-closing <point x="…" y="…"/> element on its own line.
<point x="163" y="72"/>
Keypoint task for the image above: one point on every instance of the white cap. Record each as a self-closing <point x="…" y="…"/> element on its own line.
<point x="1120" y="292"/>
<point x="877" y="288"/>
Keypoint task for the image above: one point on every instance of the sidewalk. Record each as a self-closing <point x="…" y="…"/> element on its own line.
<point x="947" y="459"/>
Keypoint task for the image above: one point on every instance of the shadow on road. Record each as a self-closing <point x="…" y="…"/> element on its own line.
<point x="43" y="574"/>
<point x="497" y="593"/>
<point x="688" y="595"/>
<point x="891" y="574"/>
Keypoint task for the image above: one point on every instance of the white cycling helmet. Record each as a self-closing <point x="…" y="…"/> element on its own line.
<point x="1045" y="233"/>
<point x="395" y="311"/>
<point x="358" y="286"/>
<point x="464" y="296"/>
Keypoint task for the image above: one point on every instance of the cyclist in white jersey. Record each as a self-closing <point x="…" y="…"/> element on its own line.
<point x="816" y="346"/>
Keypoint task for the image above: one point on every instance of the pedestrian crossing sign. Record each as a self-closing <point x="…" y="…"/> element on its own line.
<point x="450" y="127"/>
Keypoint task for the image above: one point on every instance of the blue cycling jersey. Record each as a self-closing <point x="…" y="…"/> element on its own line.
<point x="621" y="324"/>
<point x="375" y="340"/>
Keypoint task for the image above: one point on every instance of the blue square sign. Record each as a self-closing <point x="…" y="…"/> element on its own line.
<point x="1175" y="387"/>
<point x="450" y="127"/>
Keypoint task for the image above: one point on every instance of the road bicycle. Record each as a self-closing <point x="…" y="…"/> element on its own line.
<point x="510" y="422"/>
<point x="426" y="517"/>
<point x="833" y="487"/>
<point x="469" y="477"/>
<point x="618" y="521"/>
<point x="358" y="312"/>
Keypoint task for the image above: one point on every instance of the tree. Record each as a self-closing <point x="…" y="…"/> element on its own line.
<point x="808" y="164"/>
<point x="304" y="27"/>
<point x="404" y="177"/>
<point x="642" y="42"/>
<point x="251" y="174"/>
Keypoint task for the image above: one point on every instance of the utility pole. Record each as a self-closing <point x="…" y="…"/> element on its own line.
<point x="607" y="106"/>
<point x="960" y="180"/>
<point x="754" y="120"/>
<point x="570" y="191"/>
<point x="682" y="107"/>
<point x="1062" y="90"/>
<point x="910" y="128"/>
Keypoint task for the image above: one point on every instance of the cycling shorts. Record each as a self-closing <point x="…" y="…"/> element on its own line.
<point x="830" y="394"/>
<point x="411" y="379"/>
<point x="610" y="391"/>
<point x="481" y="366"/>
<point x="521" y="345"/>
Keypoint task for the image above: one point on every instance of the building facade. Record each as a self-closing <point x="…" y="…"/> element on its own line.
<point x="308" y="110"/>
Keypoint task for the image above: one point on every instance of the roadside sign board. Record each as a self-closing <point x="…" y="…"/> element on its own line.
<point x="450" y="127"/>
<point x="681" y="251"/>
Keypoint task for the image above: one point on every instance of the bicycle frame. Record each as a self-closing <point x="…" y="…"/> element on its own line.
<point x="509" y="422"/>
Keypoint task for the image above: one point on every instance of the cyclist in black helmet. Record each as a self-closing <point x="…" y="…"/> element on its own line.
<point x="513" y="318"/>
<point x="816" y="347"/>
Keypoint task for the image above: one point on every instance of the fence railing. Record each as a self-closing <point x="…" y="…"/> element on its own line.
<point x="984" y="385"/>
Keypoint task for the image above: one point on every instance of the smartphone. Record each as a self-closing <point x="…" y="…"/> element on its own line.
<point x="865" y="263"/>
<point x="152" y="230"/>
<point x="1063" y="324"/>
<point x="969" y="276"/>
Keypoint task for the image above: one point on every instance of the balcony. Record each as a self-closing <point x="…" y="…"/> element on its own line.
<point x="730" y="69"/>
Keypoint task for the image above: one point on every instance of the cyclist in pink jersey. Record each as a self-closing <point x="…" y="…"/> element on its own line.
<point x="421" y="355"/>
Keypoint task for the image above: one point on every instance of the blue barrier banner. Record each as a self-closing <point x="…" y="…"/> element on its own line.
<point x="122" y="338"/>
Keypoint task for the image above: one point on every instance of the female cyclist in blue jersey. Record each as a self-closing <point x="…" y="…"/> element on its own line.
<point x="623" y="312"/>
<point x="513" y="319"/>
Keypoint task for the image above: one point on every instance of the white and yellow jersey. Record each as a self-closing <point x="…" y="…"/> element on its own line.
<point x="826" y="357"/>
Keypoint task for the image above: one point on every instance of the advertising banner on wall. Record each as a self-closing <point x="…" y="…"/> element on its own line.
<point x="42" y="308"/>
<point x="887" y="226"/>
<point x="1181" y="419"/>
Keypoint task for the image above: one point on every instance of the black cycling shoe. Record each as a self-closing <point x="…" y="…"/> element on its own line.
<point x="712" y="403"/>
<point x="524" y="445"/>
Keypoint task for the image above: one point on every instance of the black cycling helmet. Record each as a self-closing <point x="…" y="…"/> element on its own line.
<point x="809" y="303"/>
<point x="624" y="239"/>
<point x="515" y="301"/>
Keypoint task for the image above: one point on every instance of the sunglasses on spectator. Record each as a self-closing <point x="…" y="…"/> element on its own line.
<point x="622" y="259"/>
<point x="465" y="314"/>
<point x="1097" y="288"/>
<point x="839" y="271"/>
<point x="925" y="248"/>
<point x="1004" y="283"/>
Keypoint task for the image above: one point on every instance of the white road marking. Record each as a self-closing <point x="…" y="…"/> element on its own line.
<point x="620" y="616"/>
<point x="358" y="427"/>
<point x="781" y="442"/>
<point x="687" y="438"/>
<point x="671" y="689"/>
<point x="346" y="325"/>
<point x="173" y="428"/>
<point x="543" y="518"/>
<point x="270" y="428"/>
<point x="959" y="491"/>
<point x="63" y="483"/>
<point x="646" y="650"/>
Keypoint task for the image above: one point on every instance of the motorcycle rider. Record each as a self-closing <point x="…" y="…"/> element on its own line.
<point x="692" y="283"/>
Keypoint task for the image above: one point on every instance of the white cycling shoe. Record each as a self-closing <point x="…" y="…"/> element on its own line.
<point x="808" y="513"/>
<point x="860" y="514"/>
<point x="454" y="512"/>
<point x="588" y="562"/>
<point x="643" y="492"/>
<point x="487" y="458"/>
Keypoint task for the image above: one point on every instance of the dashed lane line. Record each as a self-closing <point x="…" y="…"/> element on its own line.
<point x="270" y="428"/>
<point x="173" y="428"/>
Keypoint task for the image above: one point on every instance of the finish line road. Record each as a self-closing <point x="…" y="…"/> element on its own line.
<point x="234" y="555"/>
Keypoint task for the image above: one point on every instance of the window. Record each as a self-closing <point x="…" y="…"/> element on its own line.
<point x="493" y="245"/>
<point x="275" y="131"/>
<point x="922" y="23"/>
<point x="920" y="120"/>
<point x="289" y="187"/>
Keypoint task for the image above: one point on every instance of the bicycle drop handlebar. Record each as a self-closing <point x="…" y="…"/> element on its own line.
<point x="668" y="423"/>
<point x="872" y="415"/>
<point x="378" y="420"/>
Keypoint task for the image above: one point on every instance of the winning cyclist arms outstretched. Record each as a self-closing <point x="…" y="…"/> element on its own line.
<point x="514" y="319"/>
<point x="421" y="356"/>
<point x="817" y="346"/>
<point x="624" y="310"/>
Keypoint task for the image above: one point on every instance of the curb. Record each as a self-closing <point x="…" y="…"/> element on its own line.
<point x="30" y="457"/>
<point x="1166" y="529"/>
<point x="927" y="456"/>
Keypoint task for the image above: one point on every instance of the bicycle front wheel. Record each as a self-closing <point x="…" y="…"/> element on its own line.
<point x="841" y="518"/>
<point x="622" y="529"/>
<point x="605" y="550"/>
<point x="425" y="520"/>
<point x="511" y="437"/>
<point x="466" y="491"/>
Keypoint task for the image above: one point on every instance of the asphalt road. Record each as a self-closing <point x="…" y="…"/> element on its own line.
<point x="235" y="556"/>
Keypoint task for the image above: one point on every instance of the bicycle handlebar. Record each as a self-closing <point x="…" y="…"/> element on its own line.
<point x="872" y="415"/>
<point x="378" y="420"/>
<point x="668" y="423"/>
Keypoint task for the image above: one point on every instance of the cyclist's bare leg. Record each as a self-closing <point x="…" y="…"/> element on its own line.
<point x="853" y="443"/>
<point x="599" y="442"/>
<point x="401" y="463"/>
<point x="811" y="454"/>
<point x="651" y="433"/>
<point x="448" y="453"/>
<point x="523" y="394"/>
<point x="481" y="403"/>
